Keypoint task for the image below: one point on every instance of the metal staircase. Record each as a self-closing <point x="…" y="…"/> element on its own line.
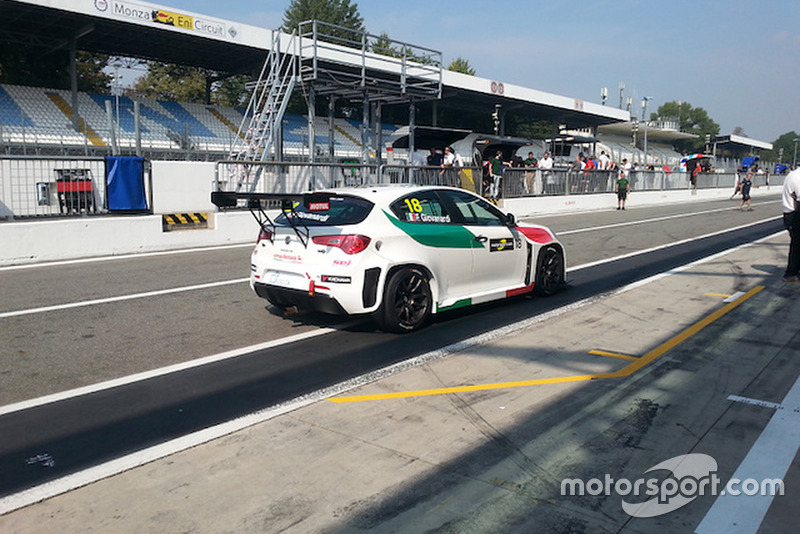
<point x="260" y="129"/>
<point x="335" y="63"/>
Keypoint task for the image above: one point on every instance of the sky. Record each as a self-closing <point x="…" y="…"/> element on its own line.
<point x="737" y="60"/>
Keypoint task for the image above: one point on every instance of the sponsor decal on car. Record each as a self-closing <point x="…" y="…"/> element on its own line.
<point x="335" y="279"/>
<point x="500" y="245"/>
<point x="321" y="217"/>
<point x="291" y="258"/>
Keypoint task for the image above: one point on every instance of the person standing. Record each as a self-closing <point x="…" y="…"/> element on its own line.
<point x="605" y="161"/>
<point x="530" y="175"/>
<point x="791" y="221"/>
<point x="496" y="171"/>
<point x="450" y="161"/>
<point x="546" y="174"/>
<point x="623" y="186"/>
<point x="746" y="184"/>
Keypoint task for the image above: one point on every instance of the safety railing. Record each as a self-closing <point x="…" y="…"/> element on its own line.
<point x="468" y="178"/>
<point x="297" y="177"/>
<point x="51" y="186"/>
<point x="524" y="182"/>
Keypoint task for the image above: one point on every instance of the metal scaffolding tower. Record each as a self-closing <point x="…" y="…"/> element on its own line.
<point x="328" y="60"/>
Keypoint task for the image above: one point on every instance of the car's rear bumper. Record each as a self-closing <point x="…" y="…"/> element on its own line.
<point x="282" y="296"/>
<point x="356" y="296"/>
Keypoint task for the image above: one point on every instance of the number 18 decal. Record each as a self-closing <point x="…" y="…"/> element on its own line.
<point x="414" y="205"/>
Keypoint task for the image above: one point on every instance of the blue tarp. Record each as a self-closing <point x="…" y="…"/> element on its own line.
<point x="125" y="183"/>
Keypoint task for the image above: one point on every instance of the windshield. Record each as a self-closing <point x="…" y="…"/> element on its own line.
<point x="339" y="211"/>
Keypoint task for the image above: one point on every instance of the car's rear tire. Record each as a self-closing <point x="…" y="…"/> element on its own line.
<point x="549" y="272"/>
<point x="407" y="301"/>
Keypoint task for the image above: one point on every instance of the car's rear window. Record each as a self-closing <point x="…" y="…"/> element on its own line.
<point x="338" y="211"/>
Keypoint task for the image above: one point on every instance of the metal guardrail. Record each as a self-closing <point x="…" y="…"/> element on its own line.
<point x="296" y="177"/>
<point x="526" y="182"/>
<point x="61" y="186"/>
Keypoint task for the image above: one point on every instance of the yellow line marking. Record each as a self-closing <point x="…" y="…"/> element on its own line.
<point x="613" y="355"/>
<point x="221" y="118"/>
<point x="716" y="295"/>
<point x="625" y="371"/>
<point x="84" y="128"/>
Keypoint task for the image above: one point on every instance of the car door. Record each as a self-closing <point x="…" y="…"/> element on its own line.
<point x="440" y="243"/>
<point x="501" y="261"/>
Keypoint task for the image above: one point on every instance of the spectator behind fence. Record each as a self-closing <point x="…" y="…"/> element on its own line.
<point x="418" y="158"/>
<point x="605" y="161"/>
<point x="450" y="163"/>
<point x="496" y="175"/>
<point x="435" y="158"/>
<point x="546" y="173"/>
<point x="531" y="187"/>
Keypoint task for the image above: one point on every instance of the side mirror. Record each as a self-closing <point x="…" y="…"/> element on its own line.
<point x="510" y="220"/>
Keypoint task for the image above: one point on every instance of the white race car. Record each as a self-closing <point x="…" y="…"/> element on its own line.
<point x="400" y="253"/>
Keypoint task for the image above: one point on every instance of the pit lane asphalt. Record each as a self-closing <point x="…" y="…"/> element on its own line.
<point x="608" y="275"/>
<point x="87" y="430"/>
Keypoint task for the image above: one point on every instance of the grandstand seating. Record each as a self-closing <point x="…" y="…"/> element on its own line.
<point x="43" y="117"/>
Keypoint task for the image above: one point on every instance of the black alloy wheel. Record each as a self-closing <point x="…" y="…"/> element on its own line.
<point x="549" y="272"/>
<point x="407" y="301"/>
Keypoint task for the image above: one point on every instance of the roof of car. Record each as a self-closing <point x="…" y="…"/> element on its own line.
<point x="384" y="193"/>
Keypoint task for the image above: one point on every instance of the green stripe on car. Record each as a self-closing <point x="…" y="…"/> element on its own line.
<point x="438" y="235"/>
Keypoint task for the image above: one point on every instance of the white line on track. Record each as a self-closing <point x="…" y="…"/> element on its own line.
<point x="135" y="256"/>
<point x="58" y="307"/>
<point x="654" y="219"/>
<point x="768" y="459"/>
<point x="119" y="465"/>
<point x="121" y="298"/>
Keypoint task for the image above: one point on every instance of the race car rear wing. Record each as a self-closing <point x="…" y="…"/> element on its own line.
<point x="258" y="203"/>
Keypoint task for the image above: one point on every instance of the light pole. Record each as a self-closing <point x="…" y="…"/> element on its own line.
<point x="116" y="90"/>
<point x="644" y="120"/>
<point x="794" y="159"/>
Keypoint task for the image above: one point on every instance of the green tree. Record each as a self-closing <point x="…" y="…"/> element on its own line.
<point x="22" y="64"/>
<point x="690" y="120"/>
<point x="166" y="81"/>
<point x="384" y="46"/>
<point x="783" y="149"/>
<point x="231" y="91"/>
<point x="339" y="12"/>
<point x="461" y="65"/>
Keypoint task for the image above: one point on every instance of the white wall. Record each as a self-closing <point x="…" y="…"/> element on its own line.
<point x="32" y="242"/>
<point x="182" y="186"/>
<point x="532" y="206"/>
<point x="186" y="187"/>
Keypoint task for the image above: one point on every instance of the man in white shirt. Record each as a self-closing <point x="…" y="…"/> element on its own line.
<point x="791" y="221"/>
<point x="545" y="174"/>
<point x="450" y="161"/>
<point x="605" y="161"/>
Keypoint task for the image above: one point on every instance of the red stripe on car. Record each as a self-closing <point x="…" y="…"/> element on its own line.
<point x="520" y="291"/>
<point x="537" y="235"/>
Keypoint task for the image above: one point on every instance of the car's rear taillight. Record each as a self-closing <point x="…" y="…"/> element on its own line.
<point x="264" y="235"/>
<point x="349" y="243"/>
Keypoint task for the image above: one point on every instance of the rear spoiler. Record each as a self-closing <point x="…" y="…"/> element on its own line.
<point x="256" y="203"/>
<point x="230" y="199"/>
